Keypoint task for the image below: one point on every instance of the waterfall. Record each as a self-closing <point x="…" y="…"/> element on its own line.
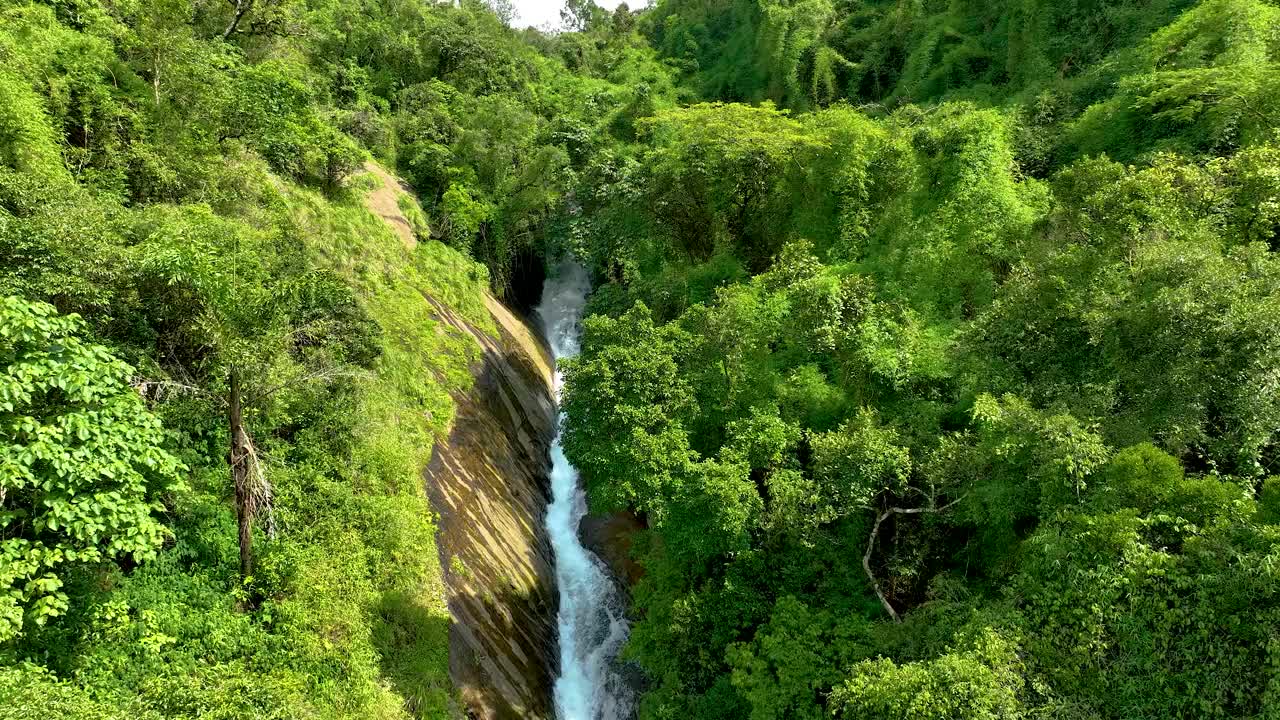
<point x="592" y="622"/>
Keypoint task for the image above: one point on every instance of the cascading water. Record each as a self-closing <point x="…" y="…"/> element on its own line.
<point x="592" y="621"/>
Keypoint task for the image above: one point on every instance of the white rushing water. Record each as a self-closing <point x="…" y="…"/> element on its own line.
<point x="592" y="619"/>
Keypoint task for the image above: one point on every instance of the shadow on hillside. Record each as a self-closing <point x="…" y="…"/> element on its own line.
<point x="413" y="642"/>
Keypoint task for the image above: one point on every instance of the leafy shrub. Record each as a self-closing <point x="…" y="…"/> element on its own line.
<point x="83" y="462"/>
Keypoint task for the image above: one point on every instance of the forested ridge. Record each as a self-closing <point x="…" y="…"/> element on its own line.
<point x="934" y="343"/>
<point x="944" y="368"/>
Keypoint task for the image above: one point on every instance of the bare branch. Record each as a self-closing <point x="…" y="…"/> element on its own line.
<point x="327" y="373"/>
<point x="242" y="7"/>
<point x="871" y="545"/>
<point x="155" y="391"/>
<point x="866" y="565"/>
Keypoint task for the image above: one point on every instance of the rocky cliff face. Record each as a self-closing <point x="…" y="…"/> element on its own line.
<point x="488" y="481"/>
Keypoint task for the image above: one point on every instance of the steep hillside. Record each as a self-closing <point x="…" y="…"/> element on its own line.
<point x="196" y="198"/>
<point x="930" y="368"/>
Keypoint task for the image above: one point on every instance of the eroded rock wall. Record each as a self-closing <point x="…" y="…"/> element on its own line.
<point x="489" y="483"/>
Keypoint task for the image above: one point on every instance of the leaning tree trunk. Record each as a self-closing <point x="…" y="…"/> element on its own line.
<point x="239" y="459"/>
<point x="241" y="7"/>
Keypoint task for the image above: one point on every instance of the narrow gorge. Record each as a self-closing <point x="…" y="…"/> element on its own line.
<point x="695" y="360"/>
<point x="592" y="615"/>
<point x="538" y="619"/>
<point x="488" y="482"/>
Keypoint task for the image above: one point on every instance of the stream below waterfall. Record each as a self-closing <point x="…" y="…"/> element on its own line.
<point x="592" y="618"/>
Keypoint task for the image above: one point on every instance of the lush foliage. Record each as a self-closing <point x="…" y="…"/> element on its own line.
<point x="181" y="190"/>
<point x="967" y="324"/>
<point x="933" y="342"/>
<point x="82" y="461"/>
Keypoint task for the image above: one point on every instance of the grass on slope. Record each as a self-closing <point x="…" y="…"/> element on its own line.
<point x="354" y="622"/>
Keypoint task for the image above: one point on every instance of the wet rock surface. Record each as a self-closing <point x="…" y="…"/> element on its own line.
<point x="611" y="537"/>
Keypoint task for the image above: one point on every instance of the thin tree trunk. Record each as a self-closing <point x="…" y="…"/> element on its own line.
<point x="866" y="565"/>
<point x="242" y="7"/>
<point x="155" y="78"/>
<point x="239" y="460"/>
<point x="871" y="546"/>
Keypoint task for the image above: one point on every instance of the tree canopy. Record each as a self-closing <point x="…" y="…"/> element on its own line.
<point x="933" y="345"/>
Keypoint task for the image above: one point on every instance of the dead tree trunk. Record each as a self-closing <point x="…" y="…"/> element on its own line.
<point x="240" y="458"/>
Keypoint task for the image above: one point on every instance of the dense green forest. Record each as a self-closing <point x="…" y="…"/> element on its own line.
<point x="945" y="369"/>
<point x="186" y="256"/>
<point x="935" y="343"/>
